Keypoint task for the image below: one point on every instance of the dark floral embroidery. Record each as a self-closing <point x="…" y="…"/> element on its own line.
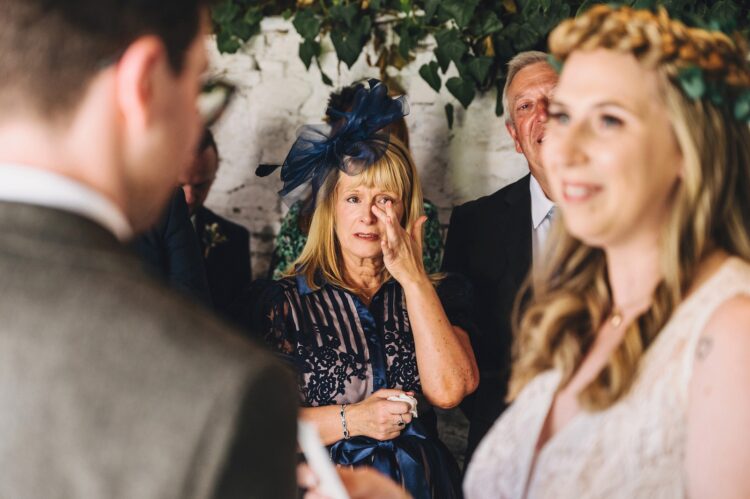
<point x="318" y="332"/>
<point x="402" y="357"/>
<point x="326" y="371"/>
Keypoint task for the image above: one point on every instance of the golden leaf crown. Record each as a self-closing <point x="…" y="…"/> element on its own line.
<point x="705" y="63"/>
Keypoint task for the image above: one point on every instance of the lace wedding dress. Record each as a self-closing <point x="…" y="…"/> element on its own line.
<point x="634" y="449"/>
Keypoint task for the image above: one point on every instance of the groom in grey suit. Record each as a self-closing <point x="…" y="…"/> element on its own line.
<point x="110" y="385"/>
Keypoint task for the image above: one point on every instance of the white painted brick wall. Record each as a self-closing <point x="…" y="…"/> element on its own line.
<point x="277" y="95"/>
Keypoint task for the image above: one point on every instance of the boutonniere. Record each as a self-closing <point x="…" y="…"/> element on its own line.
<point x="212" y="237"/>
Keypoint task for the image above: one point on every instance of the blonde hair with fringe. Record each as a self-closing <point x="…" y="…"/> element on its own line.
<point x="570" y="293"/>
<point x="321" y="256"/>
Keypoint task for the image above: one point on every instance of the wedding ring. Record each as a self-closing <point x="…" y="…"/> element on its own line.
<point x="400" y="423"/>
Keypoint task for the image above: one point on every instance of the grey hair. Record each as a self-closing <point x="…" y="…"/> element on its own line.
<point x="519" y="61"/>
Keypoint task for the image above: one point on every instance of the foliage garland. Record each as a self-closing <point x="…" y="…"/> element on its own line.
<point x="478" y="37"/>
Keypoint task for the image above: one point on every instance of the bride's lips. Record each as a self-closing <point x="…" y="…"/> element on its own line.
<point x="576" y="192"/>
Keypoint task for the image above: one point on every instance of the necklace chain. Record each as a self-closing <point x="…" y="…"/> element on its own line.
<point x="617" y="316"/>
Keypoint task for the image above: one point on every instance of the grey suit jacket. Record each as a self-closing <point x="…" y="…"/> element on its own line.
<point x="113" y="387"/>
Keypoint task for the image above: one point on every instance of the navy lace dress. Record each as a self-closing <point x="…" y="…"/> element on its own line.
<point x="344" y="351"/>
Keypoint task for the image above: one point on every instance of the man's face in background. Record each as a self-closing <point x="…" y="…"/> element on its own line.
<point x="528" y="98"/>
<point x="196" y="181"/>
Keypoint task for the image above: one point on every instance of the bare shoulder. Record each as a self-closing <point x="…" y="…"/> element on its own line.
<point x="727" y="333"/>
<point x="718" y="416"/>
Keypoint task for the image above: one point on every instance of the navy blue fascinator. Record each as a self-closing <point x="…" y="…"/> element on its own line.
<point x="354" y="142"/>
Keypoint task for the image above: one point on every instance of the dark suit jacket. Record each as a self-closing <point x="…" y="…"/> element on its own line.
<point x="226" y="252"/>
<point x="171" y="251"/>
<point x="114" y="386"/>
<point x="489" y="242"/>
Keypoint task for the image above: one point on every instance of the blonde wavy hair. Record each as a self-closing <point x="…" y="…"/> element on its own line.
<point x="321" y="256"/>
<point x="570" y="296"/>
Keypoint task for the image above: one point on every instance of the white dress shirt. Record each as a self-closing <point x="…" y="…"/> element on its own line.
<point x="30" y="185"/>
<point x="542" y="211"/>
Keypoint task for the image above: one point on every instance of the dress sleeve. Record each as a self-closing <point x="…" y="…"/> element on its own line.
<point x="432" y="251"/>
<point x="276" y="324"/>
<point x="456" y="295"/>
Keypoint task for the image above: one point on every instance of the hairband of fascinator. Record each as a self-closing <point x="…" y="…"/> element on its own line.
<point x="355" y="141"/>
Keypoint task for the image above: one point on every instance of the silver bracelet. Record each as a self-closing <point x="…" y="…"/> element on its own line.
<point x="343" y="422"/>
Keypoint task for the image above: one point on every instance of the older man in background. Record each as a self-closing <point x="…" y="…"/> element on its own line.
<point x="494" y="240"/>
<point x="224" y="245"/>
<point x="111" y="386"/>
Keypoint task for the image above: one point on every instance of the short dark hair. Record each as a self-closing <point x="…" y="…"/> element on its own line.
<point x="51" y="49"/>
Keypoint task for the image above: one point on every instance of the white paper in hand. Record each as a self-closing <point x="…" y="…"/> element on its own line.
<point x="319" y="461"/>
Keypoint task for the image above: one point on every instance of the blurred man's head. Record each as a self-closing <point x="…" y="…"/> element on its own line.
<point x="108" y="90"/>
<point x="197" y="179"/>
<point x="526" y="95"/>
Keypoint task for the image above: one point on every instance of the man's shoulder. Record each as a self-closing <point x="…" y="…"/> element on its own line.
<point x="495" y="201"/>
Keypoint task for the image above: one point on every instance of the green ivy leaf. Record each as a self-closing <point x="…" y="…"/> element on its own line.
<point x="226" y="43"/>
<point x="692" y="82"/>
<point x="430" y="8"/>
<point x="429" y="72"/>
<point x="349" y="45"/>
<point x="307" y="50"/>
<point x="488" y="25"/>
<point x="253" y="16"/>
<point x="287" y="14"/>
<point x="725" y="13"/>
<point x="450" y="46"/>
<point x="248" y="25"/>
<point x="503" y="50"/>
<point x="742" y="106"/>
<point x="460" y="10"/>
<point x="526" y="39"/>
<point x="479" y="68"/>
<point x="345" y="13"/>
<point x="443" y="60"/>
<point x="306" y="24"/>
<point x="323" y="76"/>
<point x="449" y="115"/>
<point x="409" y="35"/>
<point x="461" y="89"/>
<point x="225" y="12"/>
<point x="530" y="6"/>
<point x="546" y="4"/>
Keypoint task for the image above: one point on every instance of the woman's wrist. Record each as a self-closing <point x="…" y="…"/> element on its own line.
<point x="416" y="283"/>
<point x="350" y="417"/>
<point x="344" y="425"/>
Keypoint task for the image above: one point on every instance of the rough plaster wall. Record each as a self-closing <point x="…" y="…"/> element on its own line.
<point x="277" y="95"/>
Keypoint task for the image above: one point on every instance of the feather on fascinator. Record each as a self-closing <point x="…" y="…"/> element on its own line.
<point x="354" y="143"/>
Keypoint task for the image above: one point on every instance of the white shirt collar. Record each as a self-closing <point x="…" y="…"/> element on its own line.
<point x="26" y="184"/>
<point x="540" y="204"/>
